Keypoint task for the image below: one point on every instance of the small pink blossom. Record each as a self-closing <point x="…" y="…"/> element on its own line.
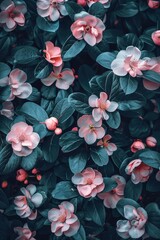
<point x="128" y="61"/>
<point x="134" y="226"/>
<point x="112" y="197"/>
<point x="63" y="220"/>
<point x="53" y="54"/>
<point x="156" y="37"/>
<point x="12" y="15"/>
<point x="139" y="171"/>
<point x="137" y="145"/>
<point x="153" y="4"/>
<point x="151" y="141"/>
<point x="150" y="85"/>
<point x="21" y="175"/>
<point x="62" y="78"/>
<point x="51" y="123"/>
<point x="24" y="233"/>
<point x="17" y="82"/>
<point x="152" y="64"/>
<point x="21" y="202"/>
<point x="7" y="110"/>
<point x="53" y="9"/>
<point x="89" y="182"/>
<point x="87" y="27"/>
<point x="90" y="130"/>
<point x="101" y="106"/>
<point x="109" y="146"/>
<point x="23" y="139"/>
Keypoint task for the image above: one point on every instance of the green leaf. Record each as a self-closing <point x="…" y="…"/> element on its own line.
<point x="26" y="54"/>
<point x="105" y="59"/>
<point x="46" y="25"/>
<point x="128" y="84"/>
<point x="80" y="102"/>
<point x="152" y="76"/>
<point x="5" y="93"/>
<point x="49" y="92"/>
<point x="64" y="190"/>
<point x="99" y="156"/>
<point x="4" y="70"/>
<point x="127" y="10"/>
<point x="139" y="128"/>
<point x="96" y="211"/>
<point x="118" y="156"/>
<point x="73" y="50"/>
<point x="150" y="158"/>
<point x="50" y="148"/>
<point x="29" y="161"/>
<point x="132" y="190"/>
<point x="131" y="102"/>
<point x="33" y="112"/>
<point x="43" y="69"/>
<point x="110" y="184"/>
<point x="4" y="203"/>
<point x="97" y="9"/>
<point x="114" y="120"/>
<point x="125" y="201"/>
<point x="152" y="230"/>
<point x="77" y="162"/>
<point x="85" y="73"/>
<point x="5" y="125"/>
<point x="129" y="39"/>
<point x="80" y="235"/>
<point x="73" y="8"/>
<point x="70" y="141"/>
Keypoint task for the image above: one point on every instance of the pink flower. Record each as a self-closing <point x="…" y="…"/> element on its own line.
<point x="63" y="220"/>
<point x="21" y="175"/>
<point x="24" y="233"/>
<point x="156" y="37"/>
<point x="134" y="226"/>
<point x="62" y="78"/>
<point x="53" y="54"/>
<point x="151" y="141"/>
<point x="51" y="123"/>
<point x="89" y="182"/>
<point x="17" y="81"/>
<point x="139" y="171"/>
<point x="12" y="15"/>
<point x="137" y="145"/>
<point x="101" y="106"/>
<point x="112" y="197"/>
<point x="87" y="27"/>
<point x="106" y="3"/>
<point x="128" y="61"/>
<point x="110" y="147"/>
<point x="21" y="202"/>
<point x="7" y="110"/>
<point x="150" y="85"/>
<point x="53" y="9"/>
<point x="90" y="130"/>
<point x="153" y="4"/>
<point x="152" y="64"/>
<point x="23" y="139"/>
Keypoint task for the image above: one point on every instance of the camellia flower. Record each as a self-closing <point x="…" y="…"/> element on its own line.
<point x="22" y="206"/>
<point x="62" y="78"/>
<point x="53" y="9"/>
<point x="134" y="226"/>
<point x="90" y="130"/>
<point x="151" y="141"/>
<point x="12" y="14"/>
<point x="63" y="220"/>
<point x="89" y="182"/>
<point x="87" y="27"/>
<point x="139" y="171"/>
<point x="128" y="61"/>
<point x="53" y="54"/>
<point x="110" y="147"/>
<point x="101" y="106"/>
<point x="112" y="197"/>
<point x="153" y="4"/>
<point x="17" y="81"/>
<point x="137" y="145"/>
<point x="24" y="233"/>
<point x="7" y="110"/>
<point x="156" y="37"/>
<point x="21" y="175"/>
<point x="23" y="139"/>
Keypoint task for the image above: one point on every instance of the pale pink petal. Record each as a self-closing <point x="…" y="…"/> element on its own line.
<point x="90" y="39"/>
<point x="37" y="199"/>
<point x="113" y="106"/>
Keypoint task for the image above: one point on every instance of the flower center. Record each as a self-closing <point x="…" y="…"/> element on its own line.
<point x="87" y="28"/>
<point x="22" y="137"/>
<point x="89" y="181"/>
<point x="92" y="128"/>
<point x="59" y="76"/>
<point x="53" y="3"/>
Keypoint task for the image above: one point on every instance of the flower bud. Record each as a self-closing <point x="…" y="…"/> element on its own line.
<point x="151" y="141"/>
<point x="4" y="184"/>
<point x="51" y="123"/>
<point x="58" y="131"/>
<point x="21" y="175"/>
<point x="75" y="129"/>
<point x="26" y="182"/>
<point x="34" y="171"/>
<point x="137" y="145"/>
<point x="39" y="177"/>
<point x="81" y="2"/>
<point x="156" y="37"/>
<point x="153" y="4"/>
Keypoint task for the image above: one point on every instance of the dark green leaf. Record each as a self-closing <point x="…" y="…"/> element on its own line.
<point x="64" y="190"/>
<point x="77" y="162"/>
<point x="132" y="190"/>
<point x="46" y="25"/>
<point x="99" y="156"/>
<point x="26" y="54"/>
<point x="150" y="158"/>
<point x="43" y="69"/>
